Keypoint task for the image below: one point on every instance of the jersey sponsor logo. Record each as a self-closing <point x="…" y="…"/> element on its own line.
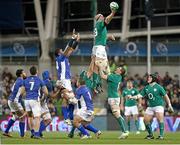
<point x="155" y="89"/>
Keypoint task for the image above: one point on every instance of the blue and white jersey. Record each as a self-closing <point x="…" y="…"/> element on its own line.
<point x="15" y="90"/>
<point x="84" y="96"/>
<point x="63" y="67"/>
<point x="33" y="85"/>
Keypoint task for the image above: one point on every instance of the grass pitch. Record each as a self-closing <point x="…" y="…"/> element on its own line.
<point x="107" y="137"/>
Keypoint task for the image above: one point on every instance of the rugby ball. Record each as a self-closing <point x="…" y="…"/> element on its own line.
<point x="114" y="6"/>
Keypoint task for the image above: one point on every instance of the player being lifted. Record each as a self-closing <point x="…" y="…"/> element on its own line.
<point x="32" y="86"/>
<point x="64" y="75"/>
<point x="84" y="114"/>
<point x="113" y="82"/>
<point x="100" y="38"/>
<point x="155" y="95"/>
<point x="15" y="104"/>
<point x="130" y="105"/>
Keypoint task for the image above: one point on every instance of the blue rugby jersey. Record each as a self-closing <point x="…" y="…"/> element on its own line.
<point x="33" y="85"/>
<point x="15" y="90"/>
<point x="83" y="94"/>
<point x="63" y="67"/>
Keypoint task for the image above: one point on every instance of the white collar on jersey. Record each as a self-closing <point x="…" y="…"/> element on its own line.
<point x="152" y="84"/>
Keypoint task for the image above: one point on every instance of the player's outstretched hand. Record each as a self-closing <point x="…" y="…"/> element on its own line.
<point x="111" y="38"/>
<point x="78" y="37"/>
<point x="170" y="109"/>
<point x="74" y="33"/>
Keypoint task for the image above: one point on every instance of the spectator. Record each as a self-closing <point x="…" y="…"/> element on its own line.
<point x="167" y="79"/>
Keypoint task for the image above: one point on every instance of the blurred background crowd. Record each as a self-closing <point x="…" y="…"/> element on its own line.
<point x="170" y="83"/>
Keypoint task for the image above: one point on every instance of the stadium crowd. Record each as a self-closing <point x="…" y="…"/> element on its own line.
<point x="171" y="84"/>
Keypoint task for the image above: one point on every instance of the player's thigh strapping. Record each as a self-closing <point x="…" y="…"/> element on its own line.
<point x="67" y="91"/>
<point x="45" y="114"/>
<point x="114" y="104"/>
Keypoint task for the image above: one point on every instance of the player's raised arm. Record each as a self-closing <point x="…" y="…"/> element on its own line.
<point x="114" y="7"/>
<point x="72" y="44"/>
<point x="91" y="66"/>
<point x="54" y="94"/>
<point x="103" y="76"/>
<point x="111" y="38"/>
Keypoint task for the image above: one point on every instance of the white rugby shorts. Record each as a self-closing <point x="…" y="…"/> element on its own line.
<point x="66" y="83"/>
<point x="132" y="110"/>
<point x="86" y="115"/>
<point x="99" y="51"/>
<point x="45" y="114"/>
<point x="153" y="110"/>
<point x="34" y="106"/>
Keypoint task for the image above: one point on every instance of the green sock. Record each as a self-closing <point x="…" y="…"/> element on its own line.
<point x="161" y="128"/>
<point x="129" y="123"/>
<point x="122" y="123"/>
<point x="149" y="129"/>
<point x="137" y="125"/>
<point x="96" y="79"/>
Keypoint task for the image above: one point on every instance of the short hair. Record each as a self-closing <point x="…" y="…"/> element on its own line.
<point x="57" y="52"/>
<point x="19" y="72"/>
<point x="33" y="70"/>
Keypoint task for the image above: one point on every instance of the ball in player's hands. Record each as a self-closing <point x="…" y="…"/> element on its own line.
<point x="114" y="6"/>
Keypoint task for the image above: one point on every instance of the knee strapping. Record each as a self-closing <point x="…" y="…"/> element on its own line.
<point x="116" y="112"/>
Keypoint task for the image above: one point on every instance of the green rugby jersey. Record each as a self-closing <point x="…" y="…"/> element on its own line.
<point x="113" y="82"/>
<point x="129" y="102"/>
<point x="100" y="33"/>
<point x="154" y="94"/>
<point x="88" y="81"/>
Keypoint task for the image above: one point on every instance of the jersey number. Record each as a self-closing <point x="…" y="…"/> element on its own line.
<point x="95" y="32"/>
<point x="151" y="97"/>
<point x="32" y="85"/>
